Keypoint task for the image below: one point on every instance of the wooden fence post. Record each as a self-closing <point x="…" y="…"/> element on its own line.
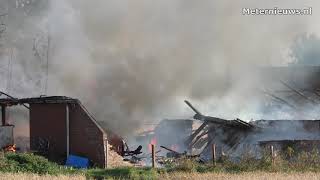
<point x="153" y="156"/>
<point x="214" y="154"/>
<point x="272" y="154"/>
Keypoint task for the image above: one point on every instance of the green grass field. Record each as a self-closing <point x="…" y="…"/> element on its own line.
<point x="32" y="166"/>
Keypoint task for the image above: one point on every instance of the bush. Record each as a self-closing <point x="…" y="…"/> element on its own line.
<point x="29" y="163"/>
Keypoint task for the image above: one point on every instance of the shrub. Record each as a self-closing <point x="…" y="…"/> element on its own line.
<point x="29" y="163"/>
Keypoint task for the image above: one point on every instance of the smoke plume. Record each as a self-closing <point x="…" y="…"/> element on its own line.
<point x="135" y="62"/>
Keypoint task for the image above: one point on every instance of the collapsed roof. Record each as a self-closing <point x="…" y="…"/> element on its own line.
<point x="10" y="101"/>
<point x="233" y="135"/>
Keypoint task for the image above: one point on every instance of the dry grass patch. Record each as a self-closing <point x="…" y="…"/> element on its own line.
<point x="241" y="176"/>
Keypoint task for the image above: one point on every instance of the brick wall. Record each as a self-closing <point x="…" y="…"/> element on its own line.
<point x="86" y="138"/>
<point x="48" y="123"/>
<point x="48" y="129"/>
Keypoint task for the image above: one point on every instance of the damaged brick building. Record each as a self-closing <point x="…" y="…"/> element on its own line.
<point x="60" y="126"/>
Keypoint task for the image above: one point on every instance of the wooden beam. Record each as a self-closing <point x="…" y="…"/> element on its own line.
<point x="3" y="115"/>
<point x="196" y="133"/>
<point x="299" y="93"/>
<point x="153" y="156"/>
<point x="214" y="154"/>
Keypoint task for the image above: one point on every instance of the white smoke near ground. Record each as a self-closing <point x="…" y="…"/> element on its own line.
<point x="135" y="62"/>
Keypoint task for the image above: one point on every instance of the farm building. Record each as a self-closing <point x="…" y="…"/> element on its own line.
<point x="61" y="126"/>
<point x="235" y="137"/>
<point x="293" y="91"/>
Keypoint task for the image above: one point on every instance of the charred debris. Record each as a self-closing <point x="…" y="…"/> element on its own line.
<point x="193" y="138"/>
<point x="296" y="91"/>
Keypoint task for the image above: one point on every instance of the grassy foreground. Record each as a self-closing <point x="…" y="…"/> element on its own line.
<point x="179" y="176"/>
<point x="29" y="166"/>
<point x="28" y="176"/>
<point x="241" y="176"/>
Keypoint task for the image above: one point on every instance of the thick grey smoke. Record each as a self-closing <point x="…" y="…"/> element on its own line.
<point x="134" y="62"/>
<point x="305" y="50"/>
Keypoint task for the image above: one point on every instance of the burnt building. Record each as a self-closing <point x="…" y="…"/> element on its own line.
<point x="235" y="137"/>
<point x="60" y="126"/>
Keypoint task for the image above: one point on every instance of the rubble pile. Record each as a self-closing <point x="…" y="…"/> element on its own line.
<point x="115" y="160"/>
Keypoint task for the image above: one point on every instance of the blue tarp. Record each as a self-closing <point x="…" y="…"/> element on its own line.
<point x="77" y="161"/>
